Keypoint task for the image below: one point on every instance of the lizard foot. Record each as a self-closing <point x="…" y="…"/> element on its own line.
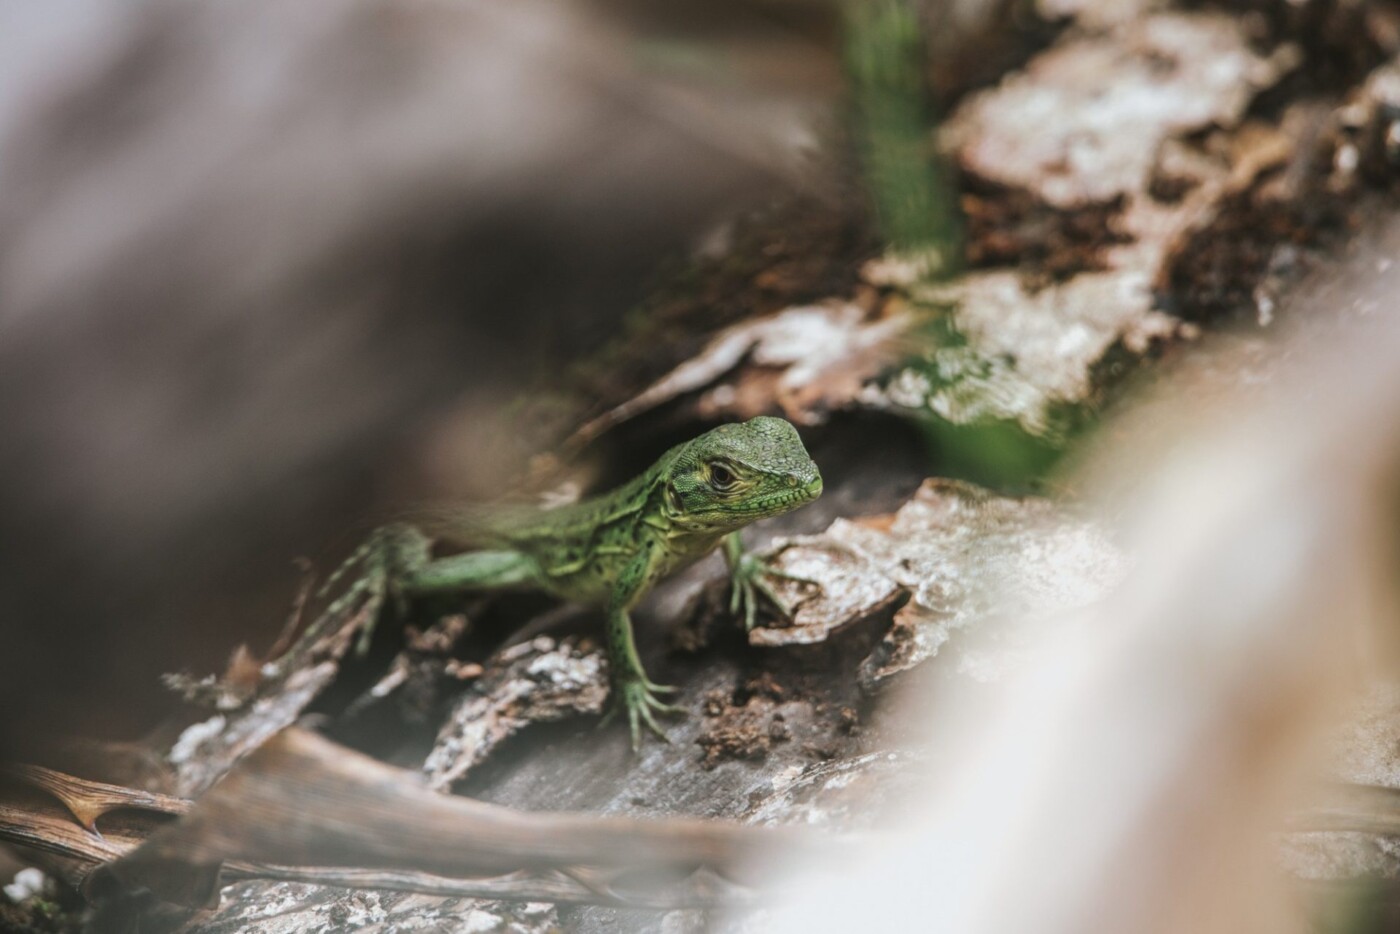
<point x="387" y="553"/>
<point x="748" y="584"/>
<point x="637" y="696"/>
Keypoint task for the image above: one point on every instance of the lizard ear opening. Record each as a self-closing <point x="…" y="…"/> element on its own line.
<point x="673" y="498"/>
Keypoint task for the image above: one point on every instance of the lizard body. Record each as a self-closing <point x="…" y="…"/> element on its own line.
<point x="610" y="550"/>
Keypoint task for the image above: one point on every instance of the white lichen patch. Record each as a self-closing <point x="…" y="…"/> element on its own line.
<point x="1026" y="350"/>
<point x="294" y="908"/>
<point x="1100" y="105"/>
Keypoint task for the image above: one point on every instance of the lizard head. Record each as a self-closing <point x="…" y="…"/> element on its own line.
<point x="736" y="474"/>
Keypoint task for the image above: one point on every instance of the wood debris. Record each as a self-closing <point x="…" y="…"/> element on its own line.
<point x="533" y="681"/>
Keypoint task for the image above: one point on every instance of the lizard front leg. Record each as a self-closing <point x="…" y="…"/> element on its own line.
<point x="746" y="574"/>
<point x="397" y="562"/>
<point x="633" y="691"/>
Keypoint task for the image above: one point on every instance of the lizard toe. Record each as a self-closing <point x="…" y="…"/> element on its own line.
<point x="650" y="720"/>
<point x="637" y="697"/>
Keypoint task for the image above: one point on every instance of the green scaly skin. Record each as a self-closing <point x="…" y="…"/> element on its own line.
<point x="610" y="550"/>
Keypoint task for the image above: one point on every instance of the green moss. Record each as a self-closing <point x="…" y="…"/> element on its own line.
<point x="913" y="198"/>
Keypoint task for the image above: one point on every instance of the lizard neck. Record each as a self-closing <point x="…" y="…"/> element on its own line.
<point x="659" y="517"/>
<point x="683" y="541"/>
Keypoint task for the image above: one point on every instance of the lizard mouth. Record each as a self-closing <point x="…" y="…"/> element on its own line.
<point x="794" y="497"/>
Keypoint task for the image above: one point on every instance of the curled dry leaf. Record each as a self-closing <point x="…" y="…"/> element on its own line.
<point x="82" y="823"/>
<point x="964" y="557"/>
<point x="48" y="827"/>
<point x="88" y="800"/>
<point x="814" y="358"/>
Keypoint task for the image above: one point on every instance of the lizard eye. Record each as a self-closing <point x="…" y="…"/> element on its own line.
<point x="721" y="477"/>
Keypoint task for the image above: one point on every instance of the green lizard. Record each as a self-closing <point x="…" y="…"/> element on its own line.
<point x="610" y="550"/>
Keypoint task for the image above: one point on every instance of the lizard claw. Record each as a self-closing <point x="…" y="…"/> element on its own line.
<point x="637" y="696"/>
<point x="389" y="552"/>
<point x="749" y="584"/>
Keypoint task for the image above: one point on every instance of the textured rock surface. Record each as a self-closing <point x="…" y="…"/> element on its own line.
<point x="293" y="908"/>
<point x="965" y="558"/>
